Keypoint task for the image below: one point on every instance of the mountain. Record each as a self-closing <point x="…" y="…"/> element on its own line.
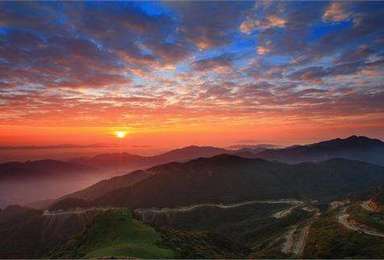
<point x="354" y="148"/>
<point x="126" y="161"/>
<point x="228" y="178"/>
<point x="41" y="169"/>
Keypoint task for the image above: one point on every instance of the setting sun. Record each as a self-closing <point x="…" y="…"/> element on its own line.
<point x="120" y="134"/>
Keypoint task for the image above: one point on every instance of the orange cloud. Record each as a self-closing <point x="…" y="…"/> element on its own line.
<point x="268" y="22"/>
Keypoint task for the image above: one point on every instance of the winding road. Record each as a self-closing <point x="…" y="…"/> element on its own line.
<point x="218" y="205"/>
<point x="343" y="219"/>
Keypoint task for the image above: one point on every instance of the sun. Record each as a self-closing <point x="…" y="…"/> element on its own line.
<point x="120" y="134"/>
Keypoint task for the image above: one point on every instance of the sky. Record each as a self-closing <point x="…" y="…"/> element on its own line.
<point x="179" y="73"/>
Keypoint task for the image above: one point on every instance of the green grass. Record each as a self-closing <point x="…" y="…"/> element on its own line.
<point x="116" y="234"/>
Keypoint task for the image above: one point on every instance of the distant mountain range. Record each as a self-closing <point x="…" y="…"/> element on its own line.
<point x="123" y="161"/>
<point x="354" y="148"/>
<point x="41" y="169"/>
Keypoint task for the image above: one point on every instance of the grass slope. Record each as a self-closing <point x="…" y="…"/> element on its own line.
<point x="115" y="234"/>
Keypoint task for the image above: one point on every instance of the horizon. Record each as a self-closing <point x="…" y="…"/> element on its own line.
<point x="170" y="74"/>
<point x="71" y="151"/>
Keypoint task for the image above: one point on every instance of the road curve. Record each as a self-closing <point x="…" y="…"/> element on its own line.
<point x="343" y="219"/>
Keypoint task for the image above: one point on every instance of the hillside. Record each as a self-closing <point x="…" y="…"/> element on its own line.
<point x="103" y="187"/>
<point x="227" y="178"/>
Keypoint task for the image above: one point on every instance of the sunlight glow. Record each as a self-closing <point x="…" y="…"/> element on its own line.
<point x="120" y="134"/>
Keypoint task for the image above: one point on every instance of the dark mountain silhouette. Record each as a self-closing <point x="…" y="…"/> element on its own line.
<point x="41" y="169"/>
<point x="227" y="178"/>
<point x="354" y="147"/>
<point x="124" y="161"/>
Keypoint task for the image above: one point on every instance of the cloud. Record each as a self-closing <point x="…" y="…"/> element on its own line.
<point x="86" y="45"/>
<point x="267" y="23"/>
<point x="359" y="54"/>
<point x="262" y="50"/>
<point x="312" y="74"/>
<point x="336" y="12"/>
<point x="160" y="63"/>
<point x="209" y="24"/>
<point x="219" y="64"/>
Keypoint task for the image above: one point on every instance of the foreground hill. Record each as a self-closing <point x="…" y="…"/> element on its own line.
<point x="264" y="229"/>
<point x="114" y="233"/>
<point x="354" y="148"/>
<point x="227" y="178"/>
<point x="102" y="233"/>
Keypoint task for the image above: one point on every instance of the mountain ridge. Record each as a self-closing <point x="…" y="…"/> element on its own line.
<point x="354" y="147"/>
